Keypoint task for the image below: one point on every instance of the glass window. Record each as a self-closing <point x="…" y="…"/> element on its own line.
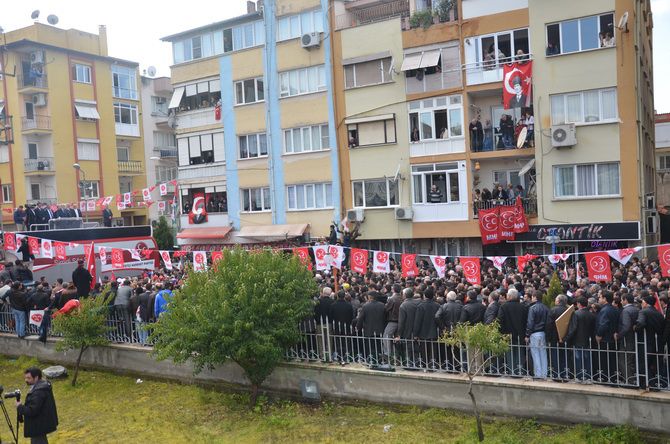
<point x="124" y="82"/>
<point x="589" y="33"/>
<point x="609" y="104"/>
<point x="301" y="81"/>
<point x="227" y="40"/>
<point x="564" y="181"/>
<point x="238" y="38"/>
<point x="574" y="102"/>
<point x="558" y="109"/>
<point x="249" y="35"/>
<point x="570" y="36"/>
<point x="608" y="179"/>
<point x="249" y="91"/>
<point x="583" y="34"/>
<point x="591" y="106"/>
<point x="584" y="107"/>
<point x="81" y="73"/>
<point x="325" y="137"/>
<point x="587" y="180"/>
<point x="253" y="146"/>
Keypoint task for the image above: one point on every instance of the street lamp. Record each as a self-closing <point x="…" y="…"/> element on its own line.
<point x="77" y="167"/>
<point x="552" y="239"/>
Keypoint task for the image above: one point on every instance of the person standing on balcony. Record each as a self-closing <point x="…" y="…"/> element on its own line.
<point x="435" y="195"/>
<point x="476" y="135"/>
<point x="107" y="216"/>
<point x="507" y="131"/>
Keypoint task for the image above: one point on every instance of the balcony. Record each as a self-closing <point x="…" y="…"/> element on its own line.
<point x="529" y="205"/>
<point x="440" y="212"/>
<point x="29" y="83"/>
<point x="437" y="146"/>
<point x="132" y="167"/>
<point x="490" y="71"/>
<point x="364" y="12"/>
<point x="36" y="124"/>
<point x="167" y="153"/>
<point x="431" y="12"/>
<point x="196" y="118"/>
<point x="39" y="165"/>
<point x="202" y="171"/>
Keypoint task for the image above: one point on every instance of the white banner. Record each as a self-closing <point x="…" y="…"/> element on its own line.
<point x="200" y="260"/>
<point x="336" y="254"/>
<point x="623" y="255"/>
<point x="321" y="257"/>
<point x="102" y="252"/>
<point x="162" y="188"/>
<point x="135" y="254"/>
<point x="127" y="198"/>
<point x="498" y="261"/>
<point x="137" y="265"/>
<point x="440" y="264"/>
<point x="36" y="317"/>
<point x="380" y="262"/>
<point x="165" y="255"/>
<point x="146" y="194"/>
<point x="47" y="249"/>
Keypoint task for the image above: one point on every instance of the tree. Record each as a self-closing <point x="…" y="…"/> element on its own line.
<point x="481" y="343"/>
<point x="554" y="290"/>
<point x="246" y="309"/>
<point x="83" y="327"/>
<point x="163" y="234"/>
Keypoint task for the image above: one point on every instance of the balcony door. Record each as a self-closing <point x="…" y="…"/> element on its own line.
<point x="35" y="191"/>
<point x="30" y="111"/>
<point x="32" y="151"/>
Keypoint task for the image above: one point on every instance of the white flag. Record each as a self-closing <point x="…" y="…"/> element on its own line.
<point x="146" y="194"/>
<point x="135" y="254"/>
<point x="19" y="238"/>
<point x="102" y="252"/>
<point x="498" y="261"/>
<point x="165" y="255"/>
<point x="336" y="254"/>
<point x="47" y="249"/>
<point x="121" y="205"/>
<point x="321" y="257"/>
<point x="90" y="205"/>
<point x="127" y="198"/>
<point x="161" y="206"/>
<point x="36" y="317"/>
<point x="623" y="255"/>
<point x="162" y="188"/>
<point x="440" y="264"/>
<point x="199" y="260"/>
<point x="108" y="200"/>
<point x="380" y="262"/>
<point x="556" y="258"/>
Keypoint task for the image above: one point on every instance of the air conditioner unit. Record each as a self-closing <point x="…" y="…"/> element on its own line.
<point x="160" y="100"/>
<point x="311" y="40"/>
<point x="356" y="215"/>
<point x="37" y="58"/>
<point x="563" y="135"/>
<point x="650" y="201"/>
<point x="40" y="99"/>
<point x="403" y="213"/>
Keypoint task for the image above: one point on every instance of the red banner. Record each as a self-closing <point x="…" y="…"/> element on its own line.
<point x="517" y="84"/>
<point x="471" y="269"/>
<point x="522" y="261"/>
<point x="216" y="256"/>
<point x="303" y="255"/>
<point x="90" y="264"/>
<point x="10" y="241"/>
<point x="664" y="259"/>
<point x="59" y="248"/>
<point x="409" y="268"/>
<point x="506" y="223"/>
<point x="598" y="265"/>
<point x="488" y="225"/>
<point x="34" y="245"/>
<point x="198" y="214"/>
<point x="359" y="260"/>
<point x="520" y="221"/>
<point x="117" y="258"/>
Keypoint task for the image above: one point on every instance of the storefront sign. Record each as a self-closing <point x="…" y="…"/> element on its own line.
<point x="582" y="232"/>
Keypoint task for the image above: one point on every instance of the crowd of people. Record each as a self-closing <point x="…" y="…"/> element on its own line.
<point x="505" y="135"/>
<point x="37" y="216"/>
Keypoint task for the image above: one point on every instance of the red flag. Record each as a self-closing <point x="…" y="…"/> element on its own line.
<point x="598" y="265"/>
<point x="522" y="261"/>
<point x="520" y="221"/>
<point x="90" y="263"/>
<point x="34" y="245"/>
<point x="409" y="268"/>
<point x="517" y="84"/>
<point x="657" y="304"/>
<point x="216" y="257"/>
<point x="303" y="255"/>
<point x="488" y="225"/>
<point x="10" y="241"/>
<point x="359" y="260"/>
<point x="59" y="248"/>
<point x="117" y="258"/>
<point x="471" y="269"/>
<point x="664" y="259"/>
<point x="506" y="223"/>
<point x="198" y="212"/>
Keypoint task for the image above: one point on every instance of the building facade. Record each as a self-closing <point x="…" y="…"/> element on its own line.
<point x="68" y="103"/>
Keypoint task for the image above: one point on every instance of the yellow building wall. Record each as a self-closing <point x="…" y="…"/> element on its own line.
<point x="287" y="7"/>
<point x="250" y="119"/>
<point x="247" y="64"/>
<point x="251" y="219"/>
<point x="319" y="221"/>
<point x="196" y="69"/>
<point x="307" y="168"/>
<point x="253" y="173"/>
<point x="291" y="55"/>
<point x="308" y="109"/>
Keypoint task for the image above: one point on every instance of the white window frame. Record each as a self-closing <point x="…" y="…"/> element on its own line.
<point x="81" y="73"/>
<point x="296" y="24"/>
<point x="128" y="106"/>
<point x="508" y="177"/>
<point x="385" y="77"/>
<point x="160" y="109"/>
<point x="4" y="154"/>
<point x="481" y="63"/>
<point x="94" y="191"/>
<point x="437" y="168"/>
<point x="388" y="193"/>
<point x="595" y="177"/>
<point x="266" y="197"/>
<point x="258" y="137"/>
<point x="286" y="78"/>
<point x="290" y="134"/>
<point x="120" y="149"/>
<point x="579" y="33"/>
<point x="256" y="90"/>
<point x="325" y="189"/>
<point x="356" y="127"/>
<point x="453" y="103"/>
<point x="664" y="162"/>
<point x="117" y="91"/>
<point x="7" y="193"/>
<point x="601" y="111"/>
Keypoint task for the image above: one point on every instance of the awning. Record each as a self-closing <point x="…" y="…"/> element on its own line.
<point x="411" y="61"/>
<point x="369" y="119"/>
<point x="176" y="97"/>
<point x="273" y="231"/>
<point x="204" y="233"/>
<point x="430" y="59"/>
<point x="87" y="111"/>
<point x="367" y="58"/>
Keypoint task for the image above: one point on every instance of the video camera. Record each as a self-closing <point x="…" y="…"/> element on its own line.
<point x="15" y="394"/>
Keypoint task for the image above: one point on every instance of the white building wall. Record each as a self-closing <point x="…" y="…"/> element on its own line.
<point x="478" y="8"/>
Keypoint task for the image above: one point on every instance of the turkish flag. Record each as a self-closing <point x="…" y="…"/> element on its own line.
<point x="320" y="253"/>
<point x="489" y="225"/>
<point x="200" y="260"/>
<point x="102" y="252"/>
<point x="598" y="265"/>
<point x="471" y="269"/>
<point x="61" y="253"/>
<point x="47" y="249"/>
<point x="303" y="254"/>
<point x="90" y="263"/>
<point x="380" y="262"/>
<point x="337" y="256"/>
<point x="359" y="260"/>
<point x="440" y="264"/>
<point x="409" y="268"/>
<point x="522" y="261"/>
<point x="664" y="259"/>
<point x="517" y="84"/>
<point x="162" y="189"/>
<point x="165" y="255"/>
<point x="520" y="221"/>
<point x="216" y="257"/>
<point x="34" y="245"/>
<point x="10" y="241"/>
<point x="117" y="258"/>
<point x="506" y="223"/>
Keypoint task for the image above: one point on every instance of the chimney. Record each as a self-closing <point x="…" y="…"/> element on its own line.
<point x="251" y="7"/>
<point x="259" y="5"/>
<point x="102" y="40"/>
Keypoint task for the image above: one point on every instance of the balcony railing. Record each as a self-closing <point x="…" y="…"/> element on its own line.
<point x="46" y="200"/>
<point x="529" y="205"/>
<point x="36" y="123"/>
<point x="167" y="153"/>
<point x="130" y="166"/>
<point x="39" y="164"/>
<point x="202" y="171"/>
<point x="495" y="141"/>
<point x="378" y="13"/>
<point x="32" y="81"/>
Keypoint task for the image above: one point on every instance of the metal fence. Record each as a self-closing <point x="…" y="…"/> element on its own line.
<point x="640" y="363"/>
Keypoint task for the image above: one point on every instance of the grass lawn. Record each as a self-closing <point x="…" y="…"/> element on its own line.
<point x="106" y="408"/>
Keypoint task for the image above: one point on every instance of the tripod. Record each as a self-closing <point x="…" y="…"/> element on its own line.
<point x="15" y="436"/>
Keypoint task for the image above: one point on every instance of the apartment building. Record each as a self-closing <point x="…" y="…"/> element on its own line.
<point x="68" y="102"/>
<point x="663" y="159"/>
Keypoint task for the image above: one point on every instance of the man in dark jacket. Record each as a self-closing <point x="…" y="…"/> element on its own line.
<point x="535" y="327"/>
<point x="371" y="323"/>
<point x="322" y="308"/>
<point x="450" y="313"/>
<point x="425" y="328"/>
<point x="107" y="216"/>
<point x="82" y="279"/>
<point x="24" y="249"/>
<point x="626" y="338"/>
<point x="19" y="305"/>
<point x="406" y="316"/>
<point x="39" y="413"/>
<point x="650" y="321"/>
<point x="607" y="322"/>
<point x="473" y="311"/>
<point x="580" y="334"/>
<point x="392" y="309"/>
<point x="341" y="316"/>
<point x="491" y="313"/>
<point x="513" y="318"/>
<point x="558" y="362"/>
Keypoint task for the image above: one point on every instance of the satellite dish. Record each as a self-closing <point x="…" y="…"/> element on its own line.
<point x="397" y="174"/>
<point x="526" y="167"/>
<point x="623" y="21"/>
<point x="521" y="140"/>
<point x="52" y="19"/>
<point x="35" y="14"/>
<point x="172" y="120"/>
<point x="151" y="71"/>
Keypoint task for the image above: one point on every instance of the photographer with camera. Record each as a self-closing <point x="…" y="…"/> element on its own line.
<point x="39" y="411"/>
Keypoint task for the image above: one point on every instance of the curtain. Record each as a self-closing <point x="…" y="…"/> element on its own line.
<point x="608" y="178"/>
<point x="609" y="104"/>
<point x="586" y="184"/>
<point x="591" y="106"/>
<point x="574" y="108"/>
<point x="375" y="193"/>
<point x="564" y="181"/>
<point x="557" y="110"/>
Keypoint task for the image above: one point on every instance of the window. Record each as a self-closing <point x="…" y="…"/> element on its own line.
<point x="371" y="193"/>
<point x="582" y="34"/>
<point x="597" y="105"/>
<point x="368" y="131"/>
<point x="664" y="162"/>
<point x="33" y="151"/>
<point x="159" y="105"/>
<point x="124" y="81"/>
<point x="164" y="140"/>
<point x="86" y="111"/>
<point x="294" y="26"/>
<point x="205" y="148"/>
<point x="165" y="173"/>
<point x="302" y="81"/>
<point x="256" y="200"/>
<point x="87" y="188"/>
<point x="432" y="69"/>
<point x="505" y="178"/>
<point x="7" y="193"/>
<point x="249" y="91"/>
<point x="125" y="184"/>
<point x="81" y="73"/>
<point x="217" y="42"/>
<point x="204" y="94"/>
<point x="4" y="154"/>
<point x="586" y="180"/>
<point x="253" y="146"/>
<point x="36" y="191"/>
<point x="436" y="118"/>
<point x="443" y="176"/>
<point x="125" y="113"/>
<point x="503" y="47"/>
<point x="122" y="153"/>
<point x="372" y="72"/>
<point x="88" y="150"/>
<point x="306" y="139"/>
<point x="313" y="196"/>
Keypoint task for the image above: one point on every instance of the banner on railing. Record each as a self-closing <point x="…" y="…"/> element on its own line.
<point x="598" y="265"/>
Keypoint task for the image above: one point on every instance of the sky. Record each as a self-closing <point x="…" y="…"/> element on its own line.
<point x="134" y="28"/>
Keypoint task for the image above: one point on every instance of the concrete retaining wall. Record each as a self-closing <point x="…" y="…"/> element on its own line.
<point x="548" y="401"/>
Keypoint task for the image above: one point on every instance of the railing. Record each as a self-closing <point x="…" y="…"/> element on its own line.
<point x="167" y="153"/>
<point x="36" y="123"/>
<point x="364" y="16"/>
<point x="32" y="81"/>
<point x="130" y="166"/>
<point x="202" y="171"/>
<point x="39" y="164"/>
<point x="529" y="205"/>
